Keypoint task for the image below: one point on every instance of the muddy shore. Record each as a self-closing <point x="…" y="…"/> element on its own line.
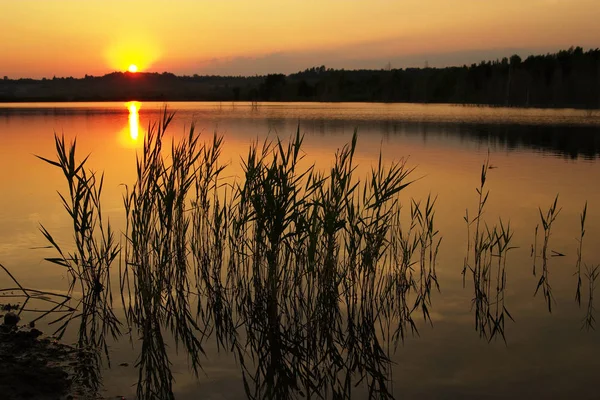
<point x="33" y="366"/>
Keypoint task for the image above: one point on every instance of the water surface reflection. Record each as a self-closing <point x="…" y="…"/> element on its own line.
<point x="547" y="355"/>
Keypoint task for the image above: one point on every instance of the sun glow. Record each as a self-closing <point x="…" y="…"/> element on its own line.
<point x="133" y="54"/>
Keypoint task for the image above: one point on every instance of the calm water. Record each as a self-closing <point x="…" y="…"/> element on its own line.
<point x="538" y="154"/>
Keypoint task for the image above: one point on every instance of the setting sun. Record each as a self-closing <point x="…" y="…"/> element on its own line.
<point x="135" y="53"/>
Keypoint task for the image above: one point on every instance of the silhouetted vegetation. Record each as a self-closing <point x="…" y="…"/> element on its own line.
<point x="544" y="282"/>
<point x="489" y="247"/>
<point x="569" y="78"/>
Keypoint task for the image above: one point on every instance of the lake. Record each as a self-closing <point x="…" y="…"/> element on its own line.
<point x="534" y="155"/>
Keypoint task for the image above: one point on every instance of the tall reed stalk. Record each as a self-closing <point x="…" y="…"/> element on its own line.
<point x="96" y="248"/>
<point x="544" y="282"/>
<point x="579" y="251"/>
<point x="489" y="248"/>
<point x="589" y="320"/>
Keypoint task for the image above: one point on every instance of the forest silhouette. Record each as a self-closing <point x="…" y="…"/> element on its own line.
<point x="568" y="78"/>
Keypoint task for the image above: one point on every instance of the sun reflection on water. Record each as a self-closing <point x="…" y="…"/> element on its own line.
<point x="134" y="120"/>
<point x="131" y="136"/>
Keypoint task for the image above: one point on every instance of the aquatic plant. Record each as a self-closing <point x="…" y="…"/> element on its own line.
<point x="292" y="269"/>
<point x="579" y="249"/>
<point x="544" y="281"/>
<point x="486" y="245"/>
<point x="155" y="285"/>
<point x="89" y="265"/>
<point x="590" y="319"/>
<point x="58" y="301"/>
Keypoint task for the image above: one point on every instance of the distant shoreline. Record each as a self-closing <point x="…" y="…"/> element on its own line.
<point x="125" y="100"/>
<point x="567" y="79"/>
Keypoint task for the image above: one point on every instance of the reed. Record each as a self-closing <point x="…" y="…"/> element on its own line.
<point x="544" y="282"/>
<point x="89" y="265"/>
<point x="579" y="251"/>
<point x="311" y="268"/>
<point x="589" y="320"/>
<point x="488" y="247"/>
<point x="155" y="282"/>
<point x="294" y="270"/>
<point x="58" y="302"/>
<point x="534" y="251"/>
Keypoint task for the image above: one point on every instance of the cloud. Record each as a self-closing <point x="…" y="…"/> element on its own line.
<point x="374" y="55"/>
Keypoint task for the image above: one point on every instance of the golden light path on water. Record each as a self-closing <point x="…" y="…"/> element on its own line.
<point x="134" y="120"/>
<point x="130" y="136"/>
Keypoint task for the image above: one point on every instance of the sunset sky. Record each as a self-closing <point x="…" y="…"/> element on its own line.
<point x="45" y="38"/>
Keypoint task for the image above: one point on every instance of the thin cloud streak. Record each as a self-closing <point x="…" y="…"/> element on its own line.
<point x="290" y="62"/>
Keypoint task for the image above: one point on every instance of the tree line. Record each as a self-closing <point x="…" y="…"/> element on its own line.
<point x="568" y="78"/>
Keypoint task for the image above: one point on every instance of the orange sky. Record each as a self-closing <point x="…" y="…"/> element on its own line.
<point x="72" y="37"/>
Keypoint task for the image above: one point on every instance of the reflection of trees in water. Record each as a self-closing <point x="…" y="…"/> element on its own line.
<point x="563" y="140"/>
<point x="567" y="141"/>
<point x="571" y="141"/>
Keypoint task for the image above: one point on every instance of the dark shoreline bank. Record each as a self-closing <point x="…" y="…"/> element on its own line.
<point x="567" y="79"/>
<point x="26" y="358"/>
